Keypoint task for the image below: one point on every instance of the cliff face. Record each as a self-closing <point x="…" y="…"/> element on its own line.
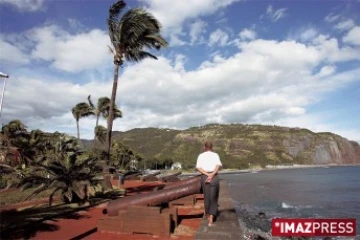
<point x="243" y="145"/>
<point x="323" y="148"/>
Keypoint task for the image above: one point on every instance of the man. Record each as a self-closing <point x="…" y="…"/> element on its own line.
<point x="208" y="164"/>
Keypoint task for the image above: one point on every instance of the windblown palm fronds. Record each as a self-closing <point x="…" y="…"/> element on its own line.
<point x="79" y="111"/>
<point x="102" y="109"/>
<point x="132" y="36"/>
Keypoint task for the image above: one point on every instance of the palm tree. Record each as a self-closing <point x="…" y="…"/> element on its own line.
<point x="102" y="109"/>
<point x="13" y="128"/>
<point x="66" y="169"/>
<point x="16" y="141"/>
<point x="100" y="133"/>
<point x="79" y="111"/>
<point x="135" y="30"/>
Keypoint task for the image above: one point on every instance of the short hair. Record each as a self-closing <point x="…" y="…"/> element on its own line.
<point x="208" y="145"/>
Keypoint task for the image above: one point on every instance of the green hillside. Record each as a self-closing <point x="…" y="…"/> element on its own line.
<point x="241" y="146"/>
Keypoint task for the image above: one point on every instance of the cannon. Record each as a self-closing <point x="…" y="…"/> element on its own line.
<point x="151" y="176"/>
<point x="170" y="177"/>
<point x="176" y="190"/>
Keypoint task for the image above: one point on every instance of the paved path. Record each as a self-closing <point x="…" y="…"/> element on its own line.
<point x="227" y="224"/>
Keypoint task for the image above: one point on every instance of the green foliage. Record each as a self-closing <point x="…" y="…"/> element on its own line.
<point x="132" y="32"/>
<point x="79" y="111"/>
<point x="66" y="169"/>
<point x="102" y="109"/>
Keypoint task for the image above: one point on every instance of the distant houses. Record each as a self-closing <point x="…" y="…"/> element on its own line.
<point x="176" y="166"/>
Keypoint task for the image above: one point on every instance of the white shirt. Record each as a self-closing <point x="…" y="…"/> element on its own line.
<point x="208" y="161"/>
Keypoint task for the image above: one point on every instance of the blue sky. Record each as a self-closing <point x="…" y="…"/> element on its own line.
<point x="285" y="63"/>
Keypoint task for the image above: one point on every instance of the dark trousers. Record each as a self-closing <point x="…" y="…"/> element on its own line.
<point x="211" y="194"/>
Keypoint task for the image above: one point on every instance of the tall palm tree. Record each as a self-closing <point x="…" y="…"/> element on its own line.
<point x="130" y="34"/>
<point x="102" y="109"/>
<point x="79" y="111"/>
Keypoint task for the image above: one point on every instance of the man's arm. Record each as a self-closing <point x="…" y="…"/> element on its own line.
<point x="211" y="175"/>
<point x="203" y="171"/>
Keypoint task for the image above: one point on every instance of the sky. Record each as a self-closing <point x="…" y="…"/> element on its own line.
<point x="285" y="63"/>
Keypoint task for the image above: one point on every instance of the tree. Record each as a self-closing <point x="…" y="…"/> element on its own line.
<point x="102" y="109"/>
<point x="130" y="34"/>
<point x="13" y="128"/>
<point x="66" y="169"/>
<point x="16" y="142"/>
<point x="100" y="133"/>
<point x="79" y="111"/>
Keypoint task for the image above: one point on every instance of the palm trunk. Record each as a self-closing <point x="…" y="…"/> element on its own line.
<point x="96" y="125"/>
<point x="111" y="112"/>
<point x="78" y="129"/>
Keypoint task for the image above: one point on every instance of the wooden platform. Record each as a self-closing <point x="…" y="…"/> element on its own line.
<point x="227" y="224"/>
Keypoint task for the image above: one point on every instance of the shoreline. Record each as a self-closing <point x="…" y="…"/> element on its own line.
<point x="274" y="167"/>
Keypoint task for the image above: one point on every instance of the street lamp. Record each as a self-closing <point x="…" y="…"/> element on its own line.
<point x="2" y="75"/>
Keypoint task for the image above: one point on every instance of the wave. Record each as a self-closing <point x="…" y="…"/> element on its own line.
<point x="288" y="206"/>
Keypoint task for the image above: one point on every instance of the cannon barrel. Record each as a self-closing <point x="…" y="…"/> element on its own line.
<point x="169" y="176"/>
<point x="182" y="182"/>
<point x="177" y="190"/>
<point x="150" y="176"/>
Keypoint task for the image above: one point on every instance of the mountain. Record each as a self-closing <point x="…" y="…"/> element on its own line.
<point x="240" y="146"/>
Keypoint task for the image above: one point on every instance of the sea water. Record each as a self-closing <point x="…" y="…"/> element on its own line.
<point x="332" y="192"/>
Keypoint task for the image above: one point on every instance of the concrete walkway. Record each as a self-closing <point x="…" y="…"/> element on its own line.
<point x="227" y="224"/>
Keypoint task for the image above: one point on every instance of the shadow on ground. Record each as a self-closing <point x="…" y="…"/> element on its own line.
<point x="25" y="223"/>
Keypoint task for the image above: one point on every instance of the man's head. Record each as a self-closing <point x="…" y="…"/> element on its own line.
<point x="208" y="146"/>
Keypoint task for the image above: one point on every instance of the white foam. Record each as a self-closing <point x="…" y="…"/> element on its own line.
<point x="288" y="206"/>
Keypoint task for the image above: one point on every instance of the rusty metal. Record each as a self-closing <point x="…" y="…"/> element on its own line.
<point x="182" y="188"/>
<point x="151" y="176"/>
<point x="169" y="176"/>
<point x="131" y="175"/>
<point x="186" y="181"/>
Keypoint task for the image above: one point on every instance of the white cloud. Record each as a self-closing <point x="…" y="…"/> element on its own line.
<point x="315" y="122"/>
<point x="326" y="71"/>
<point x="304" y="34"/>
<point x="353" y="36"/>
<point x="265" y="81"/>
<point x="275" y="15"/>
<point x="247" y="34"/>
<point x="12" y="54"/>
<point x="308" y="34"/>
<point x="330" y="50"/>
<point x="197" y="29"/>
<point x="26" y="5"/>
<point x="218" y="37"/>
<point x="331" y="17"/>
<point x="173" y="18"/>
<point x="180" y="11"/>
<point x="46" y="103"/>
<point x="72" y="53"/>
<point x="345" y="25"/>
<point x="57" y="47"/>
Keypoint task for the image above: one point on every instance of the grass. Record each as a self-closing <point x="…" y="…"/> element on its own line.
<point x="17" y="196"/>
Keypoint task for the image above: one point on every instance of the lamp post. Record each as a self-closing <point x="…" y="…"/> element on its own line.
<point x="2" y="75"/>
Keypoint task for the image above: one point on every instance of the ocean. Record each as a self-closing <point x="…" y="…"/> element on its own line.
<point x="332" y="192"/>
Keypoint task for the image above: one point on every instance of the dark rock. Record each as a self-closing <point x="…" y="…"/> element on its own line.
<point x="255" y="222"/>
